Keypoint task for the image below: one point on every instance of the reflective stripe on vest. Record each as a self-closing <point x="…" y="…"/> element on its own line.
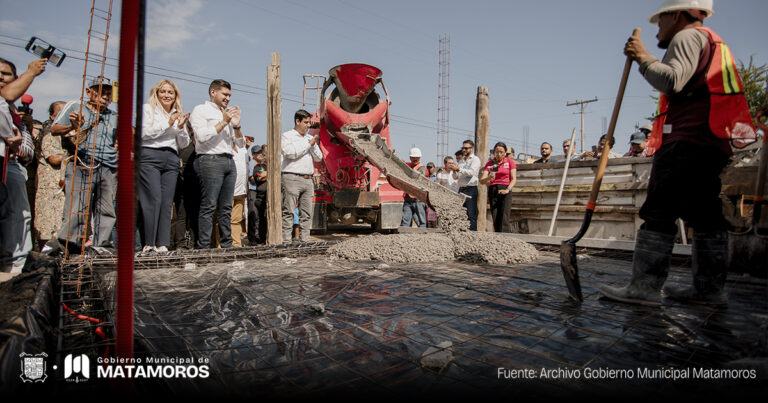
<point x="729" y="116"/>
<point x="731" y="82"/>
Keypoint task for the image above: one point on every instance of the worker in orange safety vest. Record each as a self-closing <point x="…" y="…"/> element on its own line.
<point x="414" y="209"/>
<point x="702" y="113"/>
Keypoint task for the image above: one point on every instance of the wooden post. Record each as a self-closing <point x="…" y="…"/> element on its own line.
<point x="274" y="148"/>
<point x="482" y="108"/>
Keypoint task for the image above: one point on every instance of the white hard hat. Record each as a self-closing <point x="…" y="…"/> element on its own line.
<point x="699" y="8"/>
<point x="415" y="152"/>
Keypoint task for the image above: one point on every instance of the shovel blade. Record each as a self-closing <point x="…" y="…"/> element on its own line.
<point x="570" y="269"/>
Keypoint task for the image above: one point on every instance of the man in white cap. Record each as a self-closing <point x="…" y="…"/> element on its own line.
<point x="702" y="110"/>
<point x="414" y="209"/>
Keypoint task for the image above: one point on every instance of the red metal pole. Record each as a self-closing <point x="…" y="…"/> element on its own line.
<point x="125" y="196"/>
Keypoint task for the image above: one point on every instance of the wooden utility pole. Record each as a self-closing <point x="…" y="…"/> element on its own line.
<point x="482" y="108"/>
<point x="582" y="102"/>
<point x="274" y="149"/>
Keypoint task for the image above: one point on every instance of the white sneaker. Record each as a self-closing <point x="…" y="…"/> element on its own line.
<point x="147" y="251"/>
<point x="161" y="249"/>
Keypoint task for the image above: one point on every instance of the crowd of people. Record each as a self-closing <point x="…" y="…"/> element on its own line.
<point x="463" y="172"/>
<point x="196" y="169"/>
<point x="202" y="182"/>
<point x="199" y="168"/>
<point x="638" y="142"/>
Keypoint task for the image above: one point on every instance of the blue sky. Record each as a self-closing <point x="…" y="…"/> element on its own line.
<point x="534" y="56"/>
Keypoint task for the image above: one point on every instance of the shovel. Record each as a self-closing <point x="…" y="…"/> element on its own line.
<point x="568" y="248"/>
<point x="748" y="250"/>
<point x="562" y="185"/>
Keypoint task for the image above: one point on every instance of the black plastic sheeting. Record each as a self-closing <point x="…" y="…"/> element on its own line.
<point x="27" y="322"/>
<point x="314" y="325"/>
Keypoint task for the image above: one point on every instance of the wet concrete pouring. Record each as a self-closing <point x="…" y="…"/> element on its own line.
<point x="323" y="325"/>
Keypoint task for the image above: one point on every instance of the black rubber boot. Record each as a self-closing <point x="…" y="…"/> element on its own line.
<point x="650" y="266"/>
<point x="709" y="266"/>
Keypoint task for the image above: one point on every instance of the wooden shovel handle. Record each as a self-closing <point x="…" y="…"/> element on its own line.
<point x="614" y="117"/>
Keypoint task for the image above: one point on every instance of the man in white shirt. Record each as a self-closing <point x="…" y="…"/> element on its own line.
<point x="217" y="129"/>
<point x="445" y="177"/>
<point x="466" y="173"/>
<point x="567" y="150"/>
<point x="299" y="152"/>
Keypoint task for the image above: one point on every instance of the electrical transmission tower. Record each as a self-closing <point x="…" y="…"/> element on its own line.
<point x="443" y="98"/>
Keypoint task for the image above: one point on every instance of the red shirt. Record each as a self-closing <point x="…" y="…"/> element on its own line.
<point x="503" y="175"/>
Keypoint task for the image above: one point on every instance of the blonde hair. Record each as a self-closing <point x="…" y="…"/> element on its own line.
<point x="154" y="101"/>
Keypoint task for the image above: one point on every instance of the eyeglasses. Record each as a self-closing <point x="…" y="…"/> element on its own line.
<point x="466" y="148"/>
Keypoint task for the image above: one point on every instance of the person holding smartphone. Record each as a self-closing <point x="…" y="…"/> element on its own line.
<point x="16" y="148"/>
<point x="500" y="173"/>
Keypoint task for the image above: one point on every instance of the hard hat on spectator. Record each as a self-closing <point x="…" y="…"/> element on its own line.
<point x="700" y="9"/>
<point x="647" y="129"/>
<point x="415" y="152"/>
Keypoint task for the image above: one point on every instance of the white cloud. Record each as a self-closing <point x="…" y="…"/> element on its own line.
<point x="55" y="85"/>
<point x="170" y="24"/>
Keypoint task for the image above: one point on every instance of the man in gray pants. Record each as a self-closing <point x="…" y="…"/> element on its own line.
<point x="299" y="152"/>
<point x="99" y="121"/>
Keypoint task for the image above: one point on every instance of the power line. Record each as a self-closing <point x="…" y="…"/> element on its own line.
<point x="259" y="91"/>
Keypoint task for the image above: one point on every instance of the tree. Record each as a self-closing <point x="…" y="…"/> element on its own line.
<point x="755" y="80"/>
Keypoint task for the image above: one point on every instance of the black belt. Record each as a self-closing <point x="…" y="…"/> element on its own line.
<point x="218" y="155"/>
<point x="303" y="176"/>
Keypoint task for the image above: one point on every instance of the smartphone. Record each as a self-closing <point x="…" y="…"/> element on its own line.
<point x="44" y="49"/>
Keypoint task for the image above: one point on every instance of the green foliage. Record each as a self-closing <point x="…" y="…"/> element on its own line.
<point x="755" y="80"/>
